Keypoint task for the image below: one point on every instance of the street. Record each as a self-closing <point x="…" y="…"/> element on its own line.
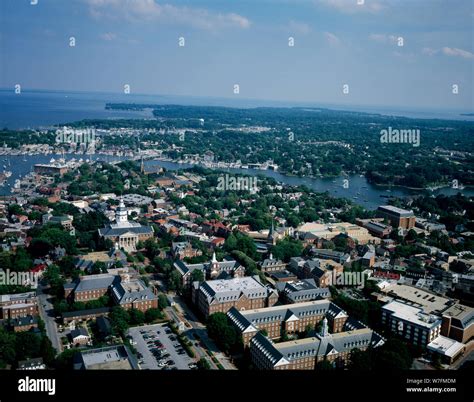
<point x="46" y="312"/>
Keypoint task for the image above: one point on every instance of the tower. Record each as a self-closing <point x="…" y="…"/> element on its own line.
<point x="324" y="328"/>
<point x="271" y="238"/>
<point x="121" y="213"/>
<point x="214" y="266"/>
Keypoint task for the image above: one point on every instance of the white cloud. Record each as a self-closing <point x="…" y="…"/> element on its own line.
<point x="108" y="36"/>
<point x="299" y="27"/>
<point x="332" y="39"/>
<point x="448" y="51"/>
<point x="454" y="51"/>
<point x="352" y="6"/>
<point x="383" y="38"/>
<point x="150" y="10"/>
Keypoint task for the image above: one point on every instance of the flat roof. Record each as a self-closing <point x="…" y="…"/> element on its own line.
<point x="413" y="295"/>
<point x="234" y="284"/>
<point x="445" y="346"/>
<point x="396" y="210"/>
<point x="411" y="314"/>
<point x="115" y="358"/>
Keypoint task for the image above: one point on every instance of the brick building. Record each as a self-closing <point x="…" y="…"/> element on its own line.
<point x="241" y="293"/>
<point x="458" y="323"/>
<point x="211" y="270"/>
<point x="399" y="218"/>
<point x="290" y="318"/>
<point x="18" y="305"/>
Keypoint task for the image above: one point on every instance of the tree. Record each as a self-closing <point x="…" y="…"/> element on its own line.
<point x="162" y="301"/>
<point x="119" y="319"/>
<point x="223" y="333"/>
<point x="287" y="248"/>
<point x="153" y="314"/>
<point x="325" y="365"/>
<point x="197" y="275"/>
<point x="174" y="281"/>
<point x="361" y="360"/>
<point x="136" y="317"/>
<point x="203" y="364"/>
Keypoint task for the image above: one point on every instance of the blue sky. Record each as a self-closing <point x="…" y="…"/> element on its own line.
<point x="336" y="42"/>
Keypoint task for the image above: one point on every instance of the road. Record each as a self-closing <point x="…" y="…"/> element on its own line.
<point x="46" y="311"/>
<point x="199" y="329"/>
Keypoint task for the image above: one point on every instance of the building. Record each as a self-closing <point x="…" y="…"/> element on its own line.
<point x="84" y="315"/>
<point x="181" y="250"/>
<point x="328" y="254"/>
<point x="324" y="272"/>
<point x="458" y="323"/>
<point x="18" y="305"/>
<point x="89" y="287"/>
<point x="428" y="301"/>
<point x="305" y="354"/>
<point x="32" y="364"/>
<point x="212" y="270"/>
<point x="51" y="169"/>
<point x="271" y="265"/>
<point x="113" y="257"/>
<point x="133" y="294"/>
<point x="124" y="232"/>
<point x="103" y="327"/>
<point x="79" y="336"/>
<point x="375" y="228"/>
<point x="411" y="323"/>
<point x="368" y="259"/>
<point x="241" y="293"/>
<point x="117" y="357"/>
<point x="301" y="291"/>
<point x="24" y="323"/>
<point x="448" y="349"/>
<point x="399" y="218"/>
<point x="291" y="318"/>
<point x="328" y="231"/>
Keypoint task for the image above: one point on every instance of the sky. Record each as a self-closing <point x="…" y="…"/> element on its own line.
<point x="343" y="52"/>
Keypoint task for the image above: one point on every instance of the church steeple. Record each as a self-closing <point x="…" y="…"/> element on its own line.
<point x="271" y="238"/>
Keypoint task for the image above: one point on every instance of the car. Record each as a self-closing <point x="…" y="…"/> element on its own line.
<point x="170" y="362"/>
<point x="166" y="355"/>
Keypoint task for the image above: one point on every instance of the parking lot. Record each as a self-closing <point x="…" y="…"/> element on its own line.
<point x="159" y="349"/>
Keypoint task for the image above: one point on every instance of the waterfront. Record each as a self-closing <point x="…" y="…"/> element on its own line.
<point x="359" y="190"/>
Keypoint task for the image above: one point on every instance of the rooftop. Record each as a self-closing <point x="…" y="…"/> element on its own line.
<point x="416" y="296"/>
<point x="411" y="314"/>
<point x="109" y="358"/>
<point x="445" y="346"/>
<point x="395" y="210"/>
